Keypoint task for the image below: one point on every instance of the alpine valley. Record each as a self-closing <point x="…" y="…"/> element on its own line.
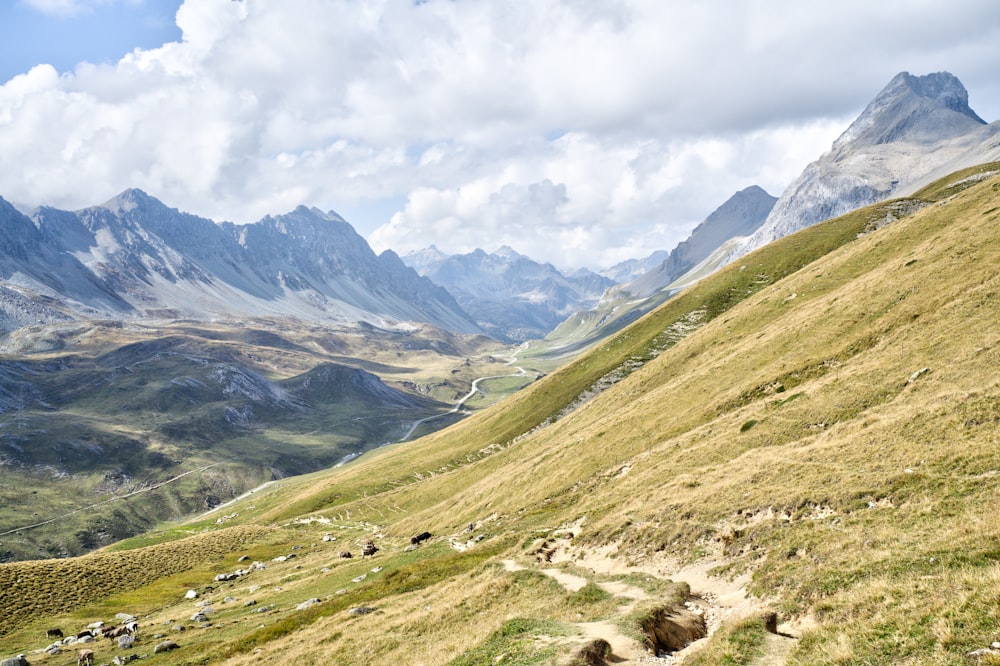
<point x="777" y="444"/>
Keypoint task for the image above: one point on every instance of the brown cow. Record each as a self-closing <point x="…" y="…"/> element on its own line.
<point x="85" y="657"/>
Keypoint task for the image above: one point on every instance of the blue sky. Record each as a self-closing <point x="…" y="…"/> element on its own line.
<point x="580" y="132"/>
<point x="63" y="34"/>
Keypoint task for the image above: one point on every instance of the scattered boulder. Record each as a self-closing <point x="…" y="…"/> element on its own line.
<point x="191" y="594"/>
<point x="125" y="642"/>
<point x="986" y="655"/>
<point x="361" y="610"/>
<point x="594" y="653"/>
<point x="19" y="660"/>
<point x="165" y="646"/>
<point x="308" y="603"/>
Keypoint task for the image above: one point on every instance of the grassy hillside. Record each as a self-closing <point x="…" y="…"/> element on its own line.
<point x="816" y="425"/>
<point x="106" y="429"/>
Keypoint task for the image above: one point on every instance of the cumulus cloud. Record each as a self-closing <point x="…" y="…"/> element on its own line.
<point x="581" y="133"/>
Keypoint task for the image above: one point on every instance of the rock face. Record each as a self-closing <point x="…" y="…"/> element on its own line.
<point x="135" y="257"/>
<point x="914" y="126"/>
<point x="741" y="215"/>
<point x="510" y="296"/>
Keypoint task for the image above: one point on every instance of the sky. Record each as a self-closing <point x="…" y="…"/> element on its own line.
<point x="578" y="132"/>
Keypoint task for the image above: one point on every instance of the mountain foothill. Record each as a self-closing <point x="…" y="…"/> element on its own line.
<point x="774" y="443"/>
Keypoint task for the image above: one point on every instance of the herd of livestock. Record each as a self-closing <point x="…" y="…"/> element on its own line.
<point x="124" y="634"/>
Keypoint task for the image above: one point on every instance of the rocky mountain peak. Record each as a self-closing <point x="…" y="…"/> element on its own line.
<point x="129" y="200"/>
<point x="913" y="108"/>
<point x="914" y="126"/>
<point x="941" y="87"/>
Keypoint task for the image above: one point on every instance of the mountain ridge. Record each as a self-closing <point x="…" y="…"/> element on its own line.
<point x="134" y="256"/>
<point x="510" y="295"/>
<point x="914" y="126"/>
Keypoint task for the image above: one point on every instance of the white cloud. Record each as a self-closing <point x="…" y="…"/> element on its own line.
<point x="576" y="132"/>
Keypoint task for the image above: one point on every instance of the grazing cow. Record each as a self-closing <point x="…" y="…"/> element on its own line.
<point x="423" y="536"/>
<point x="86" y="633"/>
<point x="114" y="632"/>
<point x="85" y="657"/>
<point x="132" y="627"/>
<point x="346" y="554"/>
<point x="54" y="633"/>
<point x="369" y="549"/>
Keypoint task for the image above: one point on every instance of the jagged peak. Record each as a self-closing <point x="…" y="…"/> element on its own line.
<point x="941" y="87"/>
<point x="929" y="107"/>
<point x="131" y="199"/>
<point x="304" y="212"/>
<point x="508" y="252"/>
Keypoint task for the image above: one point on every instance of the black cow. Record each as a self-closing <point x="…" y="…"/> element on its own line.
<point x="369" y="550"/>
<point x="423" y="536"/>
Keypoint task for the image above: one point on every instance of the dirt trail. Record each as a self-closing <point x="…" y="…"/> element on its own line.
<point x="626" y="650"/>
<point x="716" y="598"/>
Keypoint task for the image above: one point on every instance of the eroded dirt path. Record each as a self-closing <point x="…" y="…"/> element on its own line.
<point x="716" y="598"/>
<point x="624" y="649"/>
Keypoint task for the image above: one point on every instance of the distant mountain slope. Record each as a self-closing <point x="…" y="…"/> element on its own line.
<point x="739" y="216"/>
<point x="914" y="128"/>
<point x="90" y="411"/>
<point x="509" y="295"/>
<point x="626" y="271"/>
<point x="135" y="257"/>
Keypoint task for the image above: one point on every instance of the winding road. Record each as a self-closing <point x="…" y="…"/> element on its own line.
<point x="521" y="372"/>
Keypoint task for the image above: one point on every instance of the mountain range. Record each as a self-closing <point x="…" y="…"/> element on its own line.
<point x="915" y="130"/>
<point x="133" y="258"/>
<point x="510" y="296"/>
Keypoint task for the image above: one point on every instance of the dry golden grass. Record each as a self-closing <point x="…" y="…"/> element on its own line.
<point x="41" y="588"/>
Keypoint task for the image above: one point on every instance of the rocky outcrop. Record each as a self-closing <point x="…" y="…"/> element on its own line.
<point x="914" y="125"/>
